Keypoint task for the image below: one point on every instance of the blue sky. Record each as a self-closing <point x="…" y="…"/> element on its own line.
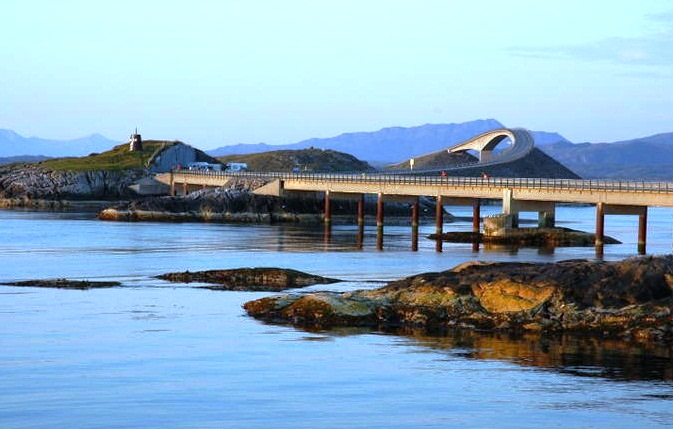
<point x="212" y="73"/>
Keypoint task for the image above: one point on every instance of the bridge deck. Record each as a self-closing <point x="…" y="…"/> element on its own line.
<point x="612" y="192"/>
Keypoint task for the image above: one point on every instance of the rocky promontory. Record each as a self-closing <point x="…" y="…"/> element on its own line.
<point x="631" y="299"/>
<point x="249" y="279"/>
<point x="29" y="182"/>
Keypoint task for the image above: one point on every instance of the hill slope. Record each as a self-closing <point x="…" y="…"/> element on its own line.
<point x="535" y="164"/>
<point x="316" y="160"/>
<point x="117" y="159"/>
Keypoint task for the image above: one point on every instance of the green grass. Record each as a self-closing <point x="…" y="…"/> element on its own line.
<point x="119" y="158"/>
<point x="311" y="159"/>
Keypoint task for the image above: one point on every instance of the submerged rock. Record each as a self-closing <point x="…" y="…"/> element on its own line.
<point x="535" y="237"/>
<point x="630" y="298"/>
<point x="64" y="284"/>
<point x="249" y="279"/>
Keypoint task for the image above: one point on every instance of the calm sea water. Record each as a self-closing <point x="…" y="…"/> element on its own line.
<point x="155" y="354"/>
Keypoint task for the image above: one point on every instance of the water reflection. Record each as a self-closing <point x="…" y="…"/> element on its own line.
<point x="568" y="354"/>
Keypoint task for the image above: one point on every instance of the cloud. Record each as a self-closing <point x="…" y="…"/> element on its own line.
<point x="655" y="49"/>
<point x="666" y="17"/>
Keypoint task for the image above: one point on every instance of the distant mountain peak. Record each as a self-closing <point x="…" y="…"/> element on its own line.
<point x="14" y="144"/>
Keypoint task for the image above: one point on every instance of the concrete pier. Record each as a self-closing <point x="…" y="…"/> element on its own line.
<point x="379" y="222"/>
<point x="439" y="222"/>
<point x="642" y="231"/>
<point x="361" y="221"/>
<point x="328" y="210"/>
<point x="414" y="225"/>
<point x="600" y="228"/>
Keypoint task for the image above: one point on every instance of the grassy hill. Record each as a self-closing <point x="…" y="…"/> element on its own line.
<point x="317" y="160"/>
<point x="119" y="158"/>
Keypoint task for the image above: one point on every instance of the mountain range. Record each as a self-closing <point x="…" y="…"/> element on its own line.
<point x="390" y="145"/>
<point x="13" y="144"/>
<point x="643" y="158"/>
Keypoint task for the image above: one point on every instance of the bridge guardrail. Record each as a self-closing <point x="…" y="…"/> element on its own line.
<point x="454" y="181"/>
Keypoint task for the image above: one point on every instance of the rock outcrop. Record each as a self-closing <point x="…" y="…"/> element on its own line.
<point x="32" y="182"/>
<point x="535" y="237"/>
<point x="249" y="279"/>
<point x="631" y="299"/>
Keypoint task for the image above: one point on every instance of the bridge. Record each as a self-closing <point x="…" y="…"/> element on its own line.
<point x="517" y="194"/>
<point x="485" y="144"/>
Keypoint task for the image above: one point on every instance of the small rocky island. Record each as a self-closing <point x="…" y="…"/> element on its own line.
<point x="631" y="299"/>
<point x="65" y="284"/>
<point x="249" y="279"/>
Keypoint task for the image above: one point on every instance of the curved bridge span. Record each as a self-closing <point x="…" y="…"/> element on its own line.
<point x="485" y="144"/>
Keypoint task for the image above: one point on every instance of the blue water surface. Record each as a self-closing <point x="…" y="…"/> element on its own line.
<point x="158" y="354"/>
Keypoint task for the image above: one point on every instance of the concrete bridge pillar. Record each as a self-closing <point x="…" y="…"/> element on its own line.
<point x="361" y="220"/>
<point x="414" y="225"/>
<point x="185" y="188"/>
<point x="476" y="221"/>
<point x="476" y="215"/>
<point x="328" y="210"/>
<point x="510" y="206"/>
<point x="379" y="222"/>
<point x="361" y="210"/>
<point x="642" y="231"/>
<point x="600" y="229"/>
<point x="485" y="155"/>
<point x="439" y="222"/>
<point x="546" y="219"/>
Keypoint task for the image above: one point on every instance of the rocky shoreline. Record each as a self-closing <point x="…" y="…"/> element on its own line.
<point x="630" y="299"/>
<point x="115" y="215"/>
<point x="237" y="203"/>
<point x="30" y="182"/>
